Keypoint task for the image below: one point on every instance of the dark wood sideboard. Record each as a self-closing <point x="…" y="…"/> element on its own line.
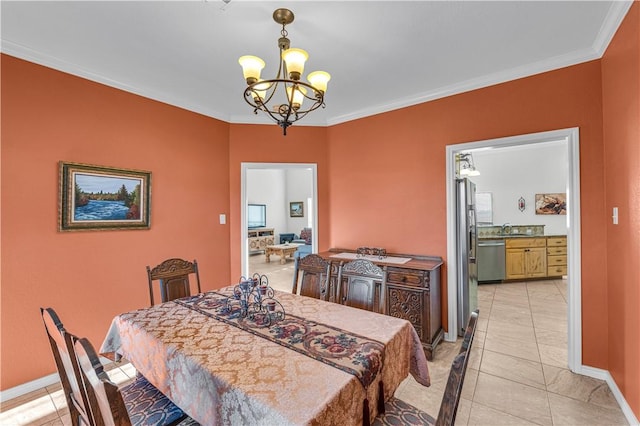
<point x="410" y="291"/>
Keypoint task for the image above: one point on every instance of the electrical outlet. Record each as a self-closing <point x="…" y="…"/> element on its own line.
<point x="615" y="216"/>
<point x="223" y="219"/>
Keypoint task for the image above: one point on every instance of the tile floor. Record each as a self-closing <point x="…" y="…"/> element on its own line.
<point x="517" y="373"/>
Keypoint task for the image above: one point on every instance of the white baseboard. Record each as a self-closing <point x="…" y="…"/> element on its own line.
<point x="25" y="388"/>
<point x="598" y="373"/>
<point x="36" y="384"/>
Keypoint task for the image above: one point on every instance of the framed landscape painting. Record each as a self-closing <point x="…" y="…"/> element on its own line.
<point x="551" y="203"/>
<point x="102" y="198"/>
<point x="296" y="209"/>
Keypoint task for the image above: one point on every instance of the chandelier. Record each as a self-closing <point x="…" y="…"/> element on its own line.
<point x="287" y="106"/>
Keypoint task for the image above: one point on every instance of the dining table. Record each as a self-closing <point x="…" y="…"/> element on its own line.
<point x="281" y="359"/>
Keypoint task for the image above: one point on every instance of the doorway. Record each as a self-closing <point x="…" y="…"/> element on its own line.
<point x="571" y="138"/>
<point x="277" y="186"/>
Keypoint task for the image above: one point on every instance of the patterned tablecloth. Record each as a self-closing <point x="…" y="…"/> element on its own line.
<point x="220" y="373"/>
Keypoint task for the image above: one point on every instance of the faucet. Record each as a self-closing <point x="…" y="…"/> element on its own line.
<point x="506" y="228"/>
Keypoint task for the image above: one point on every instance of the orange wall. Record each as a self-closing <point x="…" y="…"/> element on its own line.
<point x="389" y="170"/>
<point x="621" y="112"/>
<point x="89" y="277"/>
<point x="266" y="144"/>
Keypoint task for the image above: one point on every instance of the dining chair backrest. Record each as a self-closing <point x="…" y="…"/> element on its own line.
<point x="453" y="389"/>
<point x="360" y="285"/>
<point x="399" y="412"/>
<point x="312" y="274"/>
<point x="173" y="276"/>
<point x="138" y="403"/>
<point x="65" y="359"/>
<point x="106" y="402"/>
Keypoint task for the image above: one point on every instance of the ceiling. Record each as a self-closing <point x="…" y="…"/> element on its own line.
<point x="382" y="55"/>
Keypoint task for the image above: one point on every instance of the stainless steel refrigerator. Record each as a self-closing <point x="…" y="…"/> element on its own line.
<point x="466" y="249"/>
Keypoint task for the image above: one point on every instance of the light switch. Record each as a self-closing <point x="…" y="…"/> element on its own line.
<point x="615" y="216"/>
<point x="223" y="219"/>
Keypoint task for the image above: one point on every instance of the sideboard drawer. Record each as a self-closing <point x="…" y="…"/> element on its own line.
<point x="408" y="277"/>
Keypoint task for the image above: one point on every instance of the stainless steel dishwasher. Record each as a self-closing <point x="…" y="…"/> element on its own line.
<point x="491" y="260"/>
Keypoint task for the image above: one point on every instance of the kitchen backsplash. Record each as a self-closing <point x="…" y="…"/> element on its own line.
<point x="500" y="231"/>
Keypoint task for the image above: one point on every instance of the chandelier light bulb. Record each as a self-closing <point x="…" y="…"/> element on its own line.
<point x="295" y="59"/>
<point x="298" y="96"/>
<point x="319" y="80"/>
<point x="251" y="68"/>
<point x="260" y="91"/>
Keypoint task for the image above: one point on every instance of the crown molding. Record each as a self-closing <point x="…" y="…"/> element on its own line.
<point x="30" y="55"/>
<point x="614" y="18"/>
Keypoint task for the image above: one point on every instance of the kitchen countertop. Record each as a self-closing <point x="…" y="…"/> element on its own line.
<point x="503" y="237"/>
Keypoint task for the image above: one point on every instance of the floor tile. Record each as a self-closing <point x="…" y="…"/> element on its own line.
<point x="512" y="368"/>
<point x="508" y="330"/>
<point x="482" y="415"/>
<point x="587" y="389"/>
<point x="513" y="398"/>
<point x="569" y="411"/>
<point x="552" y="355"/>
<point x="36" y="411"/>
<point x="551" y="337"/>
<point x="513" y="347"/>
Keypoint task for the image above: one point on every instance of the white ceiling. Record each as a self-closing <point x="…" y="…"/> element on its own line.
<point x="382" y="55"/>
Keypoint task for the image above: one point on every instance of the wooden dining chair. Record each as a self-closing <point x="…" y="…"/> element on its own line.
<point x="138" y="403"/>
<point x="312" y="274"/>
<point x="360" y="285"/>
<point x="173" y="275"/>
<point x="65" y="359"/>
<point x="398" y="412"/>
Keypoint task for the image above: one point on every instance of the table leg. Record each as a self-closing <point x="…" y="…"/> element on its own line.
<point x="267" y="253"/>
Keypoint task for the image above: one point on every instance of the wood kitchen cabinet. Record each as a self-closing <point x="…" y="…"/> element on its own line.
<point x="556" y="256"/>
<point x="526" y="258"/>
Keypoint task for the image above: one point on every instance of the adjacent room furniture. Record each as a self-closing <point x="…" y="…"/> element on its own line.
<point x="137" y="404"/>
<point x="308" y="380"/>
<point x="65" y="359"/>
<point x="556" y="256"/>
<point x="311" y="274"/>
<point x="173" y="277"/>
<point x="410" y="290"/>
<point x="259" y="239"/>
<point x="303" y="250"/>
<point x="305" y="241"/>
<point x="526" y="258"/>
<point x="398" y="412"/>
<point x="360" y="285"/>
<point x="282" y="250"/>
<point x="287" y="238"/>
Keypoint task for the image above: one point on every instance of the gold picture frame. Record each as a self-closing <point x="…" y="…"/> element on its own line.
<point x="103" y="198"/>
<point x="296" y="209"/>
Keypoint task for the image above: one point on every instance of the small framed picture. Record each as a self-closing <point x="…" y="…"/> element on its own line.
<point x="101" y="198"/>
<point x="551" y="203"/>
<point x="296" y="209"/>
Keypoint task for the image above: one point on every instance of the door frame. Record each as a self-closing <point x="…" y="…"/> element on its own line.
<point x="574" y="314"/>
<point x="244" y="167"/>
